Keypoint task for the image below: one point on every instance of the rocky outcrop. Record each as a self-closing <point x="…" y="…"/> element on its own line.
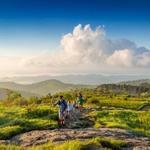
<point x="141" y="148"/>
<point x="38" y="137"/>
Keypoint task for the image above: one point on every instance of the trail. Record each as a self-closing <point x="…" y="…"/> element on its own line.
<point x="73" y="131"/>
<point x="38" y="137"/>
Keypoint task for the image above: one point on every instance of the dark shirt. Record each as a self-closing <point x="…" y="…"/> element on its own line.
<point x="62" y="104"/>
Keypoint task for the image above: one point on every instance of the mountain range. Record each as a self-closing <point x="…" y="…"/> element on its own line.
<point x="41" y="88"/>
<point x="53" y="86"/>
<point x="94" y="79"/>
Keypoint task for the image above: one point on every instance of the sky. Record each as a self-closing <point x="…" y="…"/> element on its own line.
<point x="52" y="36"/>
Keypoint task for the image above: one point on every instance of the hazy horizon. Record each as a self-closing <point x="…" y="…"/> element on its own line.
<point x="84" y="79"/>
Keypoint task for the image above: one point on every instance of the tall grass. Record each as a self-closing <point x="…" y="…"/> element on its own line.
<point x="137" y="121"/>
<point x="16" y="119"/>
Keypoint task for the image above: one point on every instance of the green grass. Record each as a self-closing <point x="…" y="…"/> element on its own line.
<point x="8" y="131"/>
<point x="98" y="99"/>
<point x="15" y="119"/>
<point x="137" y="121"/>
<point x="117" y="102"/>
<point x="101" y="143"/>
<point x="11" y="147"/>
<point x="19" y="115"/>
<point x="123" y="104"/>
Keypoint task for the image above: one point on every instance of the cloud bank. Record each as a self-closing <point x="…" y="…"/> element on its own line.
<point x="83" y="51"/>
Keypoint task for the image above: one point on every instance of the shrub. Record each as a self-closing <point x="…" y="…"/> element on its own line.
<point x="93" y="100"/>
<point x="6" y="132"/>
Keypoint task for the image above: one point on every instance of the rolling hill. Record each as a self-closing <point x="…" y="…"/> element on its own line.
<point x="133" y="90"/>
<point x="41" y="88"/>
<point x="4" y="93"/>
<point x="141" y="82"/>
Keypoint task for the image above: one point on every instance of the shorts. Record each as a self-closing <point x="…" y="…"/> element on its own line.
<point x="61" y="115"/>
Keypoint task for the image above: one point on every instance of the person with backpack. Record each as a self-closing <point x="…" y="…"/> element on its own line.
<point x="62" y="110"/>
<point x="80" y="101"/>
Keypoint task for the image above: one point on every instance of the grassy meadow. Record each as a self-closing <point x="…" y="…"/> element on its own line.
<point x="19" y="115"/>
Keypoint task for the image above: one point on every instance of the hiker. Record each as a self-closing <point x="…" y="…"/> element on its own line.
<point x="62" y="110"/>
<point x="70" y="108"/>
<point x="80" y="102"/>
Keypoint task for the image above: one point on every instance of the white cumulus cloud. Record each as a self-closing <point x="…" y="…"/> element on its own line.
<point x="123" y="58"/>
<point x="86" y="51"/>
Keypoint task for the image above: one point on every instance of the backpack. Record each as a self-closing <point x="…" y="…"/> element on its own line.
<point x="65" y="104"/>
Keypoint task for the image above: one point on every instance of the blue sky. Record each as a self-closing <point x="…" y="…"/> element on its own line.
<point x="33" y="32"/>
<point x="35" y="25"/>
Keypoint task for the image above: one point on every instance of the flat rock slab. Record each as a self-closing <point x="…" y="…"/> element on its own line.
<point x="38" y="137"/>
